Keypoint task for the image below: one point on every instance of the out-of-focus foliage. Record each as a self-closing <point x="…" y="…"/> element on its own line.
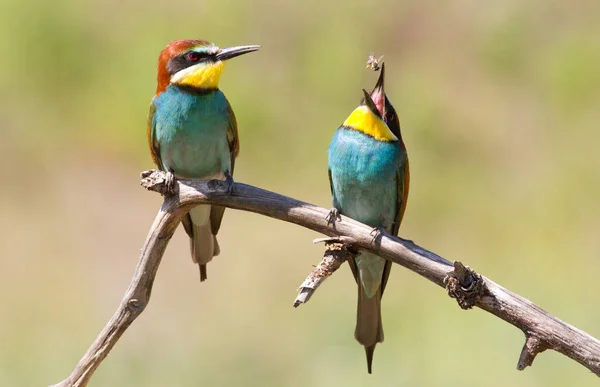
<point x="499" y="103"/>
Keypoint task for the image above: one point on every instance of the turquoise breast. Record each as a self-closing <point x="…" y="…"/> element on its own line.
<point x="364" y="184"/>
<point x="191" y="129"/>
<point x="363" y="177"/>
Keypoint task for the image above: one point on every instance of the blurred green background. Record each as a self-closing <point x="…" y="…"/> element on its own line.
<point x="499" y="104"/>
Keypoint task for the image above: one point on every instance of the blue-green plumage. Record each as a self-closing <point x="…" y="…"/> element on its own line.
<point x="193" y="134"/>
<point x="192" y="130"/>
<point x="364" y="174"/>
<point x="369" y="177"/>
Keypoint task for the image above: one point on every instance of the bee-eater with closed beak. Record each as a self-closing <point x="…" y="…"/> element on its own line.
<point x="192" y="131"/>
<point x="369" y="177"/>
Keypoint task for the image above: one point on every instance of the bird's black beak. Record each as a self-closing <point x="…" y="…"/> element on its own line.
<point x="378" y="93"/>
<point x="370" y="104"/>
<point x="232" y="52"/>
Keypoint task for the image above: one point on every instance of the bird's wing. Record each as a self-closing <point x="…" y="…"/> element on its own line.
<point x="232" y="135"/>
<point x="330" y="182"/>
<point x="150" y="133"/>
<point x="216" y="212"/>
<point x="403" y="182"/>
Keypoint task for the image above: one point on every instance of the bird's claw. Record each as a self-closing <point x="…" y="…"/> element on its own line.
<point x="376" y="233"/>
<point x="333" y="216"/>
<point x="170" y="184"/>
<point x="230" y="183"/>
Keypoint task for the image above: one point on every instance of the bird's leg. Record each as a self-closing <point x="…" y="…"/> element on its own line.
<point x="333" y="216"/>
<point x="171" y="183"/>
<point x="230" y="182"/>
<point x="376" y="233"/>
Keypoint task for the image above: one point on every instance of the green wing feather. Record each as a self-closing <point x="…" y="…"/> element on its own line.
<point x="216" y="212"/>
<point x="150" y="134"/>
<point x="403" y="182"/>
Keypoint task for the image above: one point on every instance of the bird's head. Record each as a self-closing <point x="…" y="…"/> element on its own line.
<point x="383" y="104"/>
<point x="195" y="63"/>
<point x="366" y="118"/>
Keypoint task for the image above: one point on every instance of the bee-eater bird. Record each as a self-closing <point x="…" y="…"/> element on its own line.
<point x="192" y="131"/>
<point x="369" y="177"/>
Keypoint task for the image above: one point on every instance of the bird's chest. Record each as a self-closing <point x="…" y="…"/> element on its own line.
<point x="191" y="131"/>
<point x="364" y="177"/>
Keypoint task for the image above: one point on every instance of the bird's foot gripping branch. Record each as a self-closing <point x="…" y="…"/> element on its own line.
<point x="542" y="330"/>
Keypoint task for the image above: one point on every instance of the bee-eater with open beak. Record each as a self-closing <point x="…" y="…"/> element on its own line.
<point x="192" y="131"/>
<point x="369" y="177"/>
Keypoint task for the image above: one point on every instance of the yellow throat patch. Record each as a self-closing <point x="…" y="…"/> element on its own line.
<point x="364" y="120"/>
<point x="202" y="75"/>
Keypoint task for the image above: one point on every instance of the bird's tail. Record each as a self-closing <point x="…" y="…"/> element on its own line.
<point x="203" y="244"/>
<point x="369" y="330"/>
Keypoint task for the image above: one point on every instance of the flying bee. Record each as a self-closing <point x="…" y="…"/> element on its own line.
<point x="373" y="63"/>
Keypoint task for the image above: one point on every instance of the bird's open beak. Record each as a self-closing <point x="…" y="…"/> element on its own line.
<point x="232" y="52"/>
<point x="370" y="104"/>
<point x="378" y="93"/>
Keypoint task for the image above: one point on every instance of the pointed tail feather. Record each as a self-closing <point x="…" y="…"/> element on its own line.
<point x="203" y="275"/>
<point x="369" y="329"/>
<point x="216" y="251"/>
<point x="369" y="350"/>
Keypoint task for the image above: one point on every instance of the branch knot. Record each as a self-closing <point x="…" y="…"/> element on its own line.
<point x="465" y="285"/>
<point x="136" y="305"/>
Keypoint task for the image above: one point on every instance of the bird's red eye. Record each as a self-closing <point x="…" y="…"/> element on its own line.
<point x="193" y="56"/>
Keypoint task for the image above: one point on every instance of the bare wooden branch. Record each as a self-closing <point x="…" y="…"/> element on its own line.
<point x="542" y="330"/>
<point x="336" y="253"/>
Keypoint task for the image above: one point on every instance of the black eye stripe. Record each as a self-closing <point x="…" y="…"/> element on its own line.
<point x="186" y="60"/>
<point x="195" y="56"/>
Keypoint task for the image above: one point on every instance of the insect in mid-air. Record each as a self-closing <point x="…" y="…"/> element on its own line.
<point x="373" y="63"/>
